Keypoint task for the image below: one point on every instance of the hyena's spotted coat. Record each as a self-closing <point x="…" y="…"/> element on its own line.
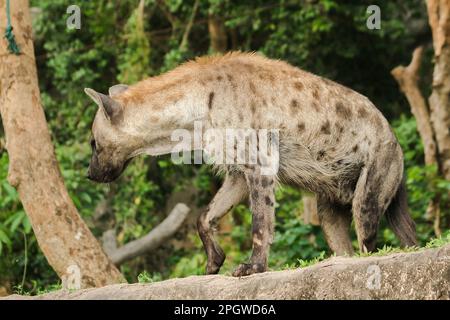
<point x="333" y="141"/>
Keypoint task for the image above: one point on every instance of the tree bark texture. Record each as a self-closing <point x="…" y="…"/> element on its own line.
<point x="439" y="20"/>
<point x="64" y="238"/>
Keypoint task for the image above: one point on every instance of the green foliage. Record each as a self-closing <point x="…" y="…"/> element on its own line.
<point x="423" y="182"/>
<point x="120" y="43"/>
<point x="145" y="277"/>
<point x="306" y="263"/>
<point x="440" y="241"/>
<point x="134" y="62"/>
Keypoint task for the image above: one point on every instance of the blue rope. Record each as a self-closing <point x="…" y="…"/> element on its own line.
<point x="9" y="35"/>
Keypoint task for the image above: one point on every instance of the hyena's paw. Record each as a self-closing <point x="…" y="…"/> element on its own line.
<point x="214" y="264"/>
<point x="246" y="269"/>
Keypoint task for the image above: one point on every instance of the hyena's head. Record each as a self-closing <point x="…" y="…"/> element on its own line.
<point x="112" y="146"/>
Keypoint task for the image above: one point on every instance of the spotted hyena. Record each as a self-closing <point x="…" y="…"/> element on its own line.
<point x="332" y="141"/>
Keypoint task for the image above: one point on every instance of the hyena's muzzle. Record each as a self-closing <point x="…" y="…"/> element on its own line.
<point x="105" y="170"/>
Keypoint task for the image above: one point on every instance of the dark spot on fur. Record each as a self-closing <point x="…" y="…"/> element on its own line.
<point x="339" y="128"/>
<point x="253" y="106"/>
<point x="343" y="111"/>
<point x="268" y="201"/>
<point x="264" y="182"/>
<point x="252" y="87"/>
<point x="355" y="148"/>
<point x="377" y="122"/>
<point x="325" y="128"/>
<point x="315" y="106"/>
<point x="294" y="104"/>
<point x="298" y="85"/>
<point x="320" y="154"/>
<point x="264" y="102"/>
<point x="255" y="195"/>
<point x="362" y="113"/>
<point x="266" y="75"/>
<point x="210" y="100"/>
<point x="249" y="67"/>
<point x="301" y="126"/>
<point x="219" y="78"/>
<point x="273" y="100"/>
<point x="232" y="82"/>
<point x="315" y="94"/>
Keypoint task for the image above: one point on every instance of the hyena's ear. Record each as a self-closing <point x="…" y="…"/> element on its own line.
<point x="111" y="108"/>
<point x="118" y="88"/>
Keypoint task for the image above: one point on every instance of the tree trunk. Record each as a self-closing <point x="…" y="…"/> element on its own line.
<point x="407" y="78"/>
<point x="64" y="238"/>
<point x="418" y="275"/>
<point x="217" y="34"/>
<point x="439" y="19"/>
<point x="310" y="214"/>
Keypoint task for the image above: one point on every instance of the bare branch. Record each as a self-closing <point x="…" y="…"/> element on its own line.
<point x="184" y="40"/>
<point x="407" y="78"/>
<point x="149" y="242"/>
<point x="439" y="20"/>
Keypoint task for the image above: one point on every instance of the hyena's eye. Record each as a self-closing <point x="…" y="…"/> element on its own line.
<point x="93" y="144"/>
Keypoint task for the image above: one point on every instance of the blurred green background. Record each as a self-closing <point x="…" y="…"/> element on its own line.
<point x="118" y="43"/>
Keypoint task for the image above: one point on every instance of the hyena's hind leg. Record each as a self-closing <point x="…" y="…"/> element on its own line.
<point x="233" y="190"/>
<point x="376" y="187"/>
<point x="335" y="220"/>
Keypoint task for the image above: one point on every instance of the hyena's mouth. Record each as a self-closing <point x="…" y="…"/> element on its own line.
<point x="106" y="176"/>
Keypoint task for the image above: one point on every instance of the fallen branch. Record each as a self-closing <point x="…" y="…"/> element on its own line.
<point x="423" y="274"/>
<point x="149" y="242"/>
<point x="407" y="78"/>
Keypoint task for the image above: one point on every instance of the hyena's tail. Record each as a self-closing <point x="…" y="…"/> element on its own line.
<point x="399" y="218"/>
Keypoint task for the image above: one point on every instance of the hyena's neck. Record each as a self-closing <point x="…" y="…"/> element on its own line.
<point x="160" y="108"/>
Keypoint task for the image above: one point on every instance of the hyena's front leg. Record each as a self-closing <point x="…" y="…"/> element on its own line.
<point x="233" y="191"/>
<point x="262" y="204"/>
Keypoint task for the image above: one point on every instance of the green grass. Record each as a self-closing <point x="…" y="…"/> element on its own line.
<point x="439" y="242"/>
<point x="384" y="251"/>
<point x="145" y="277"/>
<point x="37" y="290"/>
